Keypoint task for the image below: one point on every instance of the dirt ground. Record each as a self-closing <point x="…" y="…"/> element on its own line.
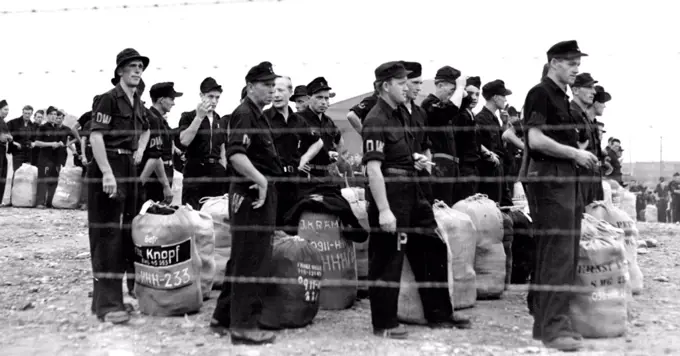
<point x="44" y="309"/>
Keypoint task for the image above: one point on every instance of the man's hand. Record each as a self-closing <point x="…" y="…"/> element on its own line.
<point x="387" y="221"/>
<point x="167" y="193"/>
<point x="583" y="145"/>
<point x="17" y="144"/>
<point x="493" y="157"/>
<point x="109" y="184"/>
<point x="83" y="160"/>
<point x="421" y="162"/>
<point x="585" y="159"/>
<point x="333" y="156"/>
<point x="304" y="165"/>
<point x="261" y="193"/>
<point x="139" y="154"/>
<point x="461" y="81"/>
<point x="202" y="109"/>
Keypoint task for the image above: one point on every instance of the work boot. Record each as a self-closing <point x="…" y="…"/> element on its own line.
<point x="218" y="328"/>
<point x="564" y="344"/>
<point x="251" y="337"/>
<point x="398" y="333"/>
<point x="461" y="321"/>
<point x="116" y="317"/>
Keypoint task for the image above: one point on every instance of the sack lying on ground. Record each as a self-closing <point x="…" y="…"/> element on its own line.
<point x="601" y="313"/>
<point x="651" y="214"/>
<point x="25" y="187"/>
<point x="490" y="255"/>
<point x="619" y="219"/>
<point x="67" y="194"/>
<point x="293" y="305"/>
<point x="218" y="209"/>
<point x="461" y="236"/>
<point x="169" y="267"/>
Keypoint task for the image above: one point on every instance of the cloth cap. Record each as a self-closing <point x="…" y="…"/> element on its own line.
<point x="209" y="84"/>
<point x="389" y="70"/>
<point x="261" y="73"/>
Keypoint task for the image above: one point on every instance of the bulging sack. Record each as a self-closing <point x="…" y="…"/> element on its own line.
<point x="651" y="214"/>
<point x="410" y="305"/>
<point x="67" y="195"/>
<point x="490" y="254"/>
<point x="218" y="209"/>
<point x="169" y="268"/>
<point x="25" y="186"/>
<point x="293" y="305"/>
<point x="177" y="179"/>
<point x="628" y="201"/>
<point x="461" y="237"/>
<point x="602" y="312"/>
<point x="619" y="219"/>
<point x="355" y="198"/>
<point x="607" y="188"/>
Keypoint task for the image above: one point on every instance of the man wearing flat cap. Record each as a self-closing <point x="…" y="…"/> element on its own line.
<point x="489" y="135"/>
<point x="552" y="151"/>
<point x="203" y="137"/>
<point x="442" y="107"/>
<point x="5" y="137"/>
<point x="119" y="129"/>
<point x="157" y="163"/>
<point x="465" y="134"/>
<point x="322" y="126"/>
<point x="583" y="90"/>
<point x="255" y="162"/>
<point x="300" y="98"/>
<point x="396" y="203"/>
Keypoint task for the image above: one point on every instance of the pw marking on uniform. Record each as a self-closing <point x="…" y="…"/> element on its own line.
<point x="103" y="118"/>
<point x="374" y="145"/>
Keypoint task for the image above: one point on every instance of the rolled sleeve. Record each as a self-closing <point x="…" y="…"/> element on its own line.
<point x="536" y="108"/>
<point x="239" y="137"/>
<point x="364" y="107"/>
<point x="373" y="134"/>
<point x="102" y="115"/>
<point x="184" y="123"/>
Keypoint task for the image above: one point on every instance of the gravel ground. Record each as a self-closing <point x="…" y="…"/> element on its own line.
<point x="44" y="309"/>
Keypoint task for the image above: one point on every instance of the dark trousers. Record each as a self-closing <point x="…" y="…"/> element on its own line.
<point x="20" y="158"/>
<point x="202" y="179"/>
<point x="675" y="208"/>
<point x="288" y="194"/>
<point x="661" y="207"/>
<point x="48" y="178"/>
<point x="3" y="168"/>
<point x="111" y="244"/>
<point x="426" y="185"/>
<point x="443" y="174"/>
<point x="153" y="190"/>
<point x="556" y="213"/>
<point x="425" y="251"/>
<point x="469" y="185"/>
<point x="591" y="187"/>
<point x="239" y="304"/>
<point x="493" y="184"/>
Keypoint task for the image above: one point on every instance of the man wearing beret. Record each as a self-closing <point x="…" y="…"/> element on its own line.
<point x="291" y="134"/>
<point x="119" y="129"/>
<point x="202" y="136"/>
<point x="581" y="106"/>
<point x="5" y="137"/>
<point x="322" y="126"/>
<point x="552" y="151"/>
<point x="300" y="98"/>
<point x="157" y="163"/>
<point x="396" y="203"/>
<point x="442" y="107"/>
<point x="489" y="135"/>
<point x="255" y="161"/>
<point x="465" y="134"/>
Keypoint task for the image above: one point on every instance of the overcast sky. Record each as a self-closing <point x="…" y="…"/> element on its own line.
<point x="634" y="50"/>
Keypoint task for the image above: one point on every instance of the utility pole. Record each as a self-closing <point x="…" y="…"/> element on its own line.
<point x="661" y="156"/>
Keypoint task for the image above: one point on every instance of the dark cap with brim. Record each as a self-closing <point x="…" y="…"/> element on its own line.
<point x="262" y="72"/>
<point x="390" y="70"/>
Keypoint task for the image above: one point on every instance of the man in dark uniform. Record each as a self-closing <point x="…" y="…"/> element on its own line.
<point x="202" y="136"/>
<point x="322" y="126"/>
<point x="418" y="119"/>
<point x="489" y="135"/>
<point x="442" y="107"/>
<point x="291" y="133"/>
<point x="119" y="129"/>
<point x="300" y="98"/>
<point x="554" y="204"/>
<point x="23" y="132"/>
<point x="50" y="140"/>
<point x="584" y="93"/>
<point x="358" y="112"/>
<point x="5" y="138"/>
<point x="395" y="204"/>
<point x="253" y="157"/>
<point x="465" y="135"/>
<point x="160" y="147"/>
<point x="600" y="101"/>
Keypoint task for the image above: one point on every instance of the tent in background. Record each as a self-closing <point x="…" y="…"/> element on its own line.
<point x="338" y="112"/>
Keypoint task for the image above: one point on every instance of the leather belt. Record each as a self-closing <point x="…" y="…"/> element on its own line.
<point x="400" y="172"/>
<point x="289" y="169"/>
<point x="446" y="156"/>
<point x="120" y="151"/>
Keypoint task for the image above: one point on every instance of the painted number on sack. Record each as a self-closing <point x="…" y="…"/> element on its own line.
<point x="177" y="278"/>
<point x="312" y="288"/>
<point x="159" y="279"/>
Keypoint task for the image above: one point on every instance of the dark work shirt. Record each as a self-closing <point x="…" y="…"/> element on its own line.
<point x="672" y="187"/>
<point x="208" y="140"/>
<point x="85" y="118"/>
<point x="362" y="109"/>
<point x="387" y="137"/>
<point x="418" y="119"/>
<point x="325" y="128"/>
<point x="587" y="129"/>
<point x="23" y="132"/>
<point x="440" y="118"/>
<point x="49" y="133"/>
<point x="616" y="165"/>
<point x="251" y="134"/>
<point x="547" y="108"/>
<point x="292" y="138"/>
<point x="154" y="149"/>
<point x="490" y="132"/>
<point x="465" y="133"/>
<point x="3" y="130"/>
<point x="120" y="121"/>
